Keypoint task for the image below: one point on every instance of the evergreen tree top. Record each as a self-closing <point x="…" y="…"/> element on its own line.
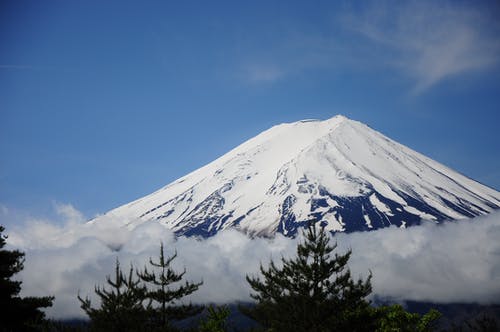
<point x="18" y="314"/>
<point x="313" y="291"/>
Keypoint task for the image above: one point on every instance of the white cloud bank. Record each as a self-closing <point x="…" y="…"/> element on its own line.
<point x="457" y="261"/>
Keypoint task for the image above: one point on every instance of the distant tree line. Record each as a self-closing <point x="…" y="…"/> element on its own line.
<point x="314" y="292"/>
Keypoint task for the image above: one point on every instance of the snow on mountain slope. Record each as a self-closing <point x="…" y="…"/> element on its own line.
<point x="338" y="171"/>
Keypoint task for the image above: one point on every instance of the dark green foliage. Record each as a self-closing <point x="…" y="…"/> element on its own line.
<point x="395" y="318"/>
<point x="483" y="323"/>
<point x="165" y="298"/>
<point x="17" y="314"/>
<point x="56" y="326"/>
<point x="122" y="307"/>
<point x="216" y="321"/>
<point x="312" y="292"/>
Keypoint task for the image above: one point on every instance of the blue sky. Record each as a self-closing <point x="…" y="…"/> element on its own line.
<point x="102" y="102"/>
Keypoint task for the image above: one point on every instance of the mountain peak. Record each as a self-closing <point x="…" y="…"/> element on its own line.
<point x="338" y="117"/>
<point x="335" y="119"/>
<point x="337" y="171"/>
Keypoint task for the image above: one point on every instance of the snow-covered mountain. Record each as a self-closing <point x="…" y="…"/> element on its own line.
<point x="338" y="171"/>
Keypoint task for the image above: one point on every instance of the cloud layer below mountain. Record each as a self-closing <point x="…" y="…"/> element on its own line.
<point x="452" y="262"/>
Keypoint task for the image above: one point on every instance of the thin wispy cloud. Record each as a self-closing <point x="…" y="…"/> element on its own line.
<point x="28" y="67"/>
<point x="3" y="210"/>
<point x="262" y="73"/>
<point x="291" y="54"/>
<point x="16" y="67"/>
<point x="428" y="41"/>
<point x="454" y="262"/>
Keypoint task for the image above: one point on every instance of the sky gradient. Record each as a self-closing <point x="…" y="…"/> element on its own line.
<point x="104" y="102"/>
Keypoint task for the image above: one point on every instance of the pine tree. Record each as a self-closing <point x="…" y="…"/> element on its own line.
<point x="122" y="307"/>
<point x="16" y="313"/>
<point x="216" y="320"/>
<point x="312" y="292"/>
<point x="396" y="318"/>
<point x="165" y="298"/>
